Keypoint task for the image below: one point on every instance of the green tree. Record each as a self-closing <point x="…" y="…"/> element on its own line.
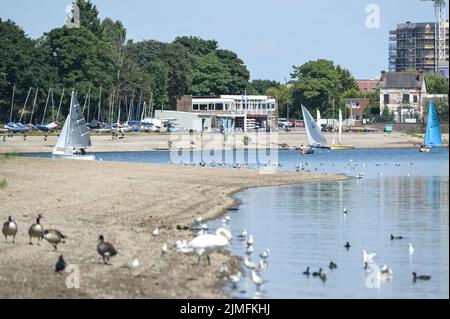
<point x="89" y="17"/>
<point x="284" y="94"/>
<point x="436" y="83"/>
<point x="197" y="46"/>
<point x="261" y="86"/>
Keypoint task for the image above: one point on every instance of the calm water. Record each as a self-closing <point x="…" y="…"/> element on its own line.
<point x="303" y="225"/>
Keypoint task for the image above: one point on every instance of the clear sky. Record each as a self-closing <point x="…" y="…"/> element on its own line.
<point x="269" y="35"/>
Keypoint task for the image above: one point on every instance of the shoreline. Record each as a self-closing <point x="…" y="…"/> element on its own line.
<point x="123" y="201"/>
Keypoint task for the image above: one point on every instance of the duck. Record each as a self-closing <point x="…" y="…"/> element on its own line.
<point x="332" y="265"/>
<point x="421" y="277"/>
<point x="208" y="243"/>
<point x="60" y="264"/>
<point x="396" y="237"/>
<point x="54" y="237"/>
<point x="347" y="245"/>
<point x="36" y="230"/>
<point x="410" y="249"/>
<point x="105" y="249"/>
<point x="317" y="273"/>
<point x="10" y="229"/>
<point x="306" y="272"/>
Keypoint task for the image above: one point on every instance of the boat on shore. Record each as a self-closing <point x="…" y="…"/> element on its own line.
<point x="433" y="133"/>
<point x="339" y="145"/>
<point x="74" y="137"/>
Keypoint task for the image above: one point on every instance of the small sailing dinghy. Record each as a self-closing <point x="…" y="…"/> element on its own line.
<point x="315" y="136"/>
<point x="340" y="146"/>
<point x="74" y="137"/>
<point x="433" y="134"/>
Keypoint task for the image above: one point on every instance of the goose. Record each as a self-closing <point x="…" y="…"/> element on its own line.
<point x="155" y="232"/>
<point x="249" y="250"/>
<point x="317" y="273"/>
<point x="368" y="258"/>
<point x="36" y="230"/>
<point x="242" y="235"/>
<point x="421" y="277"/>
<point x="235" y="279"/>
<point x="206" y="244"/>
<point x="306" y="272"/>
<point x="250" y="240"/>
<point x="164" y="249"/>
<point x="248" y="263"/>
<point x="60" y="264"/>
<point x="265" y="254"/>
<point x="54" y="237"/>
<point x="105" y="249"/>
<point x="347" y="245"/>
<point x="410" y="249"/>
<point x="257" y="279"/>
<point x="10" y="229"/>
<point x="332" y="265"/>
<point x="396" y="237"/>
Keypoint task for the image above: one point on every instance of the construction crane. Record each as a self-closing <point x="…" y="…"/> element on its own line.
<point x="439" y="33"/>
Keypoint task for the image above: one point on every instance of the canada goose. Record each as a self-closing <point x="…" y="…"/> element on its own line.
<point x="10" y="229"/>
<point x="60" y="264"/>
<point x="396" y="237"/>
<point x="105" y="249"/>
<point x="347" y="245"/>
<point x="54" y="237"/>
<point x="422" y="277"/>
<point x="306" y="272"/>
<point x="36" y="230"/>
<point x="332" y="265"/>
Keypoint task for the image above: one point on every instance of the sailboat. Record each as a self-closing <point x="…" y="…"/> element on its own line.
<point x="433" y="134"/>
<point x="315" y="136"/>
<point x="74" y="136"/>
<point x="319" y="120"/>
<point x="339" y="146"/>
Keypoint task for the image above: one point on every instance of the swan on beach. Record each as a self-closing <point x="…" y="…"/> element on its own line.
<point x="208" y="243"/>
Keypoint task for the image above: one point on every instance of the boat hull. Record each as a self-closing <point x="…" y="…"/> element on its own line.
<point x="341" y="147"/>
<point x="75" y="157"/>
<point x="424" y="149"/>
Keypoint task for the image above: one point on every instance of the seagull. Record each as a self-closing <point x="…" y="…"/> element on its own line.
<point x="248" y="263"/>
<point x="164" y="249"/>
<point x="226" y="220"/>
<point x="397" y="164"/>
<point x="422" y="277"/>
<point x="10" y="229"/>
<point x="132" y="264"/>
<point x="306" y="272"/>
<point x="410" y="249"/>
<point x="249" y="250"/>
<point x="54" y="237"/>
<point x="265" y="254"/>
<point x="386" y="270"/>
<point x="257" y="279"/>
<point x="155" y="232"/>
<point x="242" y="235"/>
<point x="208" y="243"/>
<point x="105" y="249"/>
<point x="60" y="264"/>
<point x="250" y="240"/>
<point x="368" y="258"/>
<point x="36" y="230"/>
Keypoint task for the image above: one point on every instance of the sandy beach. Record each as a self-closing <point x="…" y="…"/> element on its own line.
<point x="124" y="202"/>
<point x="155" y="141"/>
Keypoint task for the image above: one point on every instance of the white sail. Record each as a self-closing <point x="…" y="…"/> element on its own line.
<point x="315" y="137"/>
<point x="74" y="133"/>
<point x="318" y="120"/>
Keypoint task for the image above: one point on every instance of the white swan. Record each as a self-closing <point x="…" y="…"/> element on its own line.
<point x="368" y="258"/>
<point x="249" y="250"/>
<point x="250" y="240"/>
<point x="248" y="263"/>
<point x="257" y="279"/>
<point x="206" y="244"/>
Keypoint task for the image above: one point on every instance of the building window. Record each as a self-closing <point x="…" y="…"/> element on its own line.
<point x="195" y="107"/>
<point x="219" y="106"/>
<point x="203" y="107"/>
<point x="211" y="106"/>
<point x="386" y="99"/>
<point x="415" y="98"/>
<point x="405" y="99"/>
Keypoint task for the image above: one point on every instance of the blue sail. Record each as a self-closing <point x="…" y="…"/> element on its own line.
<point x="433" y="134"/>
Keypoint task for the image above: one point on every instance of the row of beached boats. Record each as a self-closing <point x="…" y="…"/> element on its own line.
<point x="433" y="133"/>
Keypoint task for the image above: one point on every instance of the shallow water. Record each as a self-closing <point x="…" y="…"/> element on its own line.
<point x="403" y="192"/>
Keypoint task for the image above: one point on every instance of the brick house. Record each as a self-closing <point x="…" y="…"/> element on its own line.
<point x="356" y="108"/>
<point x="402" y="94"/>
<point x="368" y="86"/>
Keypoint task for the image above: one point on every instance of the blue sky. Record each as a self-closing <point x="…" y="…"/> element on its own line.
<point x="269" y="35"/>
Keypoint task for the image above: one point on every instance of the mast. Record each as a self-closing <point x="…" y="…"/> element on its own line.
<point x="46" y="104"/>
<point x="12" y="102"/>
<point x="24" y="105"/>
<point x="34" y="105"/>
<point x="340" y="126"/>
<point x="60" y="103"/>
<point x="99" y="102"/>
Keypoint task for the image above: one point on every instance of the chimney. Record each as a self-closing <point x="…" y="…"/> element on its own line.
<point x="383" y="75"/>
